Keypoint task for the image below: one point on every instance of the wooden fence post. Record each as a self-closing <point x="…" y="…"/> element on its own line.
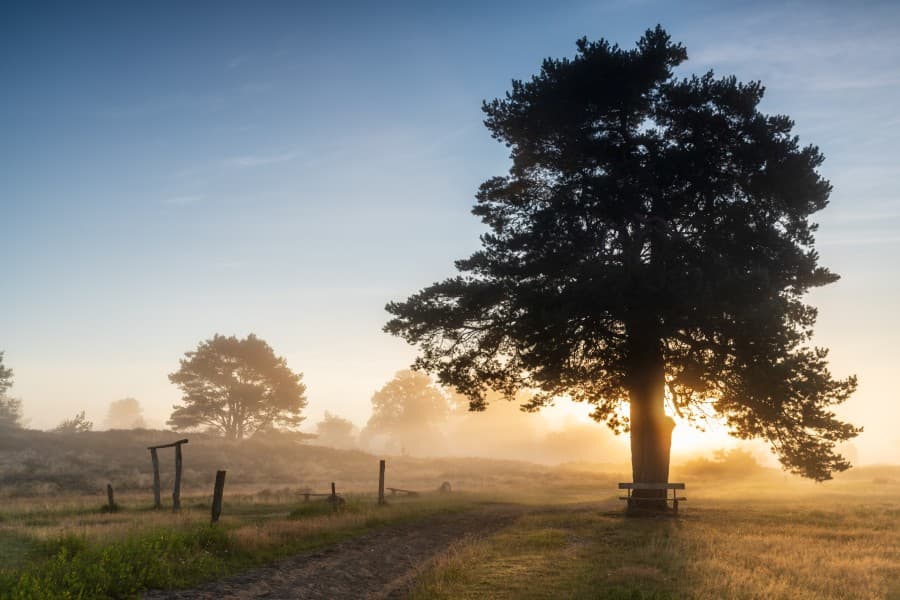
<point x="217" y="496"/>
<point x="381" y="482"/>
<point x="157" y="502"/>
<point x="176" y="493"/>
<point x="334" y="500"/>
<point x="109" y="497"/>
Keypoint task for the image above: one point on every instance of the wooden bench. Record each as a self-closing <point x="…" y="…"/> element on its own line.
<point x="632" y="500"/>
<point x="306" y="495"/>
<point x="401" y="491"/>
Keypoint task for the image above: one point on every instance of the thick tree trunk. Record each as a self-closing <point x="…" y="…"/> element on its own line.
<point x="651" y="428"/>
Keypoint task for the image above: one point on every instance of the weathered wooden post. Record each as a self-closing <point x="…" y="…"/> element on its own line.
<point x="334" y="500"/>
<point x="109" y="498"/>
<point x="154" y="457"/>
<point x="157" y="501"/>
<point x="381" y="481"/>
<point x="217" y="496"/>
<point x="176" y="492"/>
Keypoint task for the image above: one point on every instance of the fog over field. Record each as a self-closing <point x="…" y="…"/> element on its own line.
<point x="264" y="179"/>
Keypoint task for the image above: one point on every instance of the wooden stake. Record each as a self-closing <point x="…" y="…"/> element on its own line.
<point x="157" y="502"/>
<point x="176" y="493"/>
<point x="381" y="482"/>
<point x="217" y="496"/>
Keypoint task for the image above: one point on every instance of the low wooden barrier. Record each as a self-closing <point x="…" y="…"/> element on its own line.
<point x="635" y="500"/>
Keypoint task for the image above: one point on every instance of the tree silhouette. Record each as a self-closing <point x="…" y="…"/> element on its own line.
<point x="77" y="424"/>
<point x="125" y="413"/>
<point x="649" y="247"/>
<point x="236" y="387"/>
<point x="336" y="432"/>
<point x="409" y="409"/>
<point x="10" y="408"/>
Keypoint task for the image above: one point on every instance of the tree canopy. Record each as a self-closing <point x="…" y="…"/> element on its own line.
<point x="650" y="245"/>
<point x="125" y="413"/>
<point x="408" y="410"/>
<point x="77" y="424"/>
<point x="336" y="432"/>
<point x="236" y="387"/>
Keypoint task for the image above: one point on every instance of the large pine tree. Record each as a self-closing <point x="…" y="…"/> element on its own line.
<point x="650" y="247"/>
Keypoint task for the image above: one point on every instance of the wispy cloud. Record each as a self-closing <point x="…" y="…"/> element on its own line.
<point x="856" y="217"/>
<point x="841" y="48"/>
<point x="161" y="104"/>
<point x="256" y="87"/>
<point x="237" y="61"/>
<point x="182" y="200"/>
<point x="249" y="161"/>
<point x="862" y="241"/>
<point x="231" y="265"/>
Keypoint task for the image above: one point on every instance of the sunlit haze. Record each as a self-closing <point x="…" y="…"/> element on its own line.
<point x="168" y="172"/>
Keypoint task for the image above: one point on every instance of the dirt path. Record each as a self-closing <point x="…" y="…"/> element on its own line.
<point x="381" y="564"/>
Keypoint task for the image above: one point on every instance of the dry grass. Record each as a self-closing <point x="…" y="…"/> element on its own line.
<point x="794" y="545"/>
<point x="769" y="536"/>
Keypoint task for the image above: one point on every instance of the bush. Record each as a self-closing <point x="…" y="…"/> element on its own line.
<point x="726" y="464"/>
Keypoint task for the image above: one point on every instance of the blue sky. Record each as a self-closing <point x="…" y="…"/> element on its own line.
<point x="169" y="172"/>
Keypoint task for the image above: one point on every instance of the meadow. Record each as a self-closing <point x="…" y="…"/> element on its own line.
<point x="757" y="544"/>
<point x="71" y="548"/>
<point x="743" y="533"/>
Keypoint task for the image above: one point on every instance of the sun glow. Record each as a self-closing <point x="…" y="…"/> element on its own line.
<point x="687" y="438"/>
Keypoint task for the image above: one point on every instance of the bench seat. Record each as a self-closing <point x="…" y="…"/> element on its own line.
<point x="632" y="500"/>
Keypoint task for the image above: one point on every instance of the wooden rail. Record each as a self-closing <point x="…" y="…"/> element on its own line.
<point x="179" y="442"/>
<point x="402" y="491"/>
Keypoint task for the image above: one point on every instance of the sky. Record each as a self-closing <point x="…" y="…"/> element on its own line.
<point x="168" y="172"/>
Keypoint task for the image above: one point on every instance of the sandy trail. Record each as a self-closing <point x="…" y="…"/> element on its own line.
<point x="380" y="564"/>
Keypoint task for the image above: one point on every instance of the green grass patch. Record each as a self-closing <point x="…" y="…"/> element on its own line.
<point x="119" y="555"/>
<point x="72" y="567"/>
<point x="15" y="550"/>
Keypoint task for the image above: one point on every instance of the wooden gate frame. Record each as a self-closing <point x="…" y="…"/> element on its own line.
<point x="176" y="492"/>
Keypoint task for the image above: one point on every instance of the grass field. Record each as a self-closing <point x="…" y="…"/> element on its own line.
<point x="799" y="546"/>
<point x="761" y="536"/>
<point x="68" y="548"/>
<point x="799" y="543"/>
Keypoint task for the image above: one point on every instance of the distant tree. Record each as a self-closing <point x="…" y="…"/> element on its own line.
<point x="408" y="410"/>
<point x="10" y="413"/>
<point x="125" y="413"/>
<point x="273" y="434"/>
<point x="77" y="424"/>
<point x="6" y="377"/>
<point x="236" y="387"/>
<point x="10" y="408"/>
<point x="733" y="464"/>
<point x="336" y="432"/>
<point x="650" y="246"/>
